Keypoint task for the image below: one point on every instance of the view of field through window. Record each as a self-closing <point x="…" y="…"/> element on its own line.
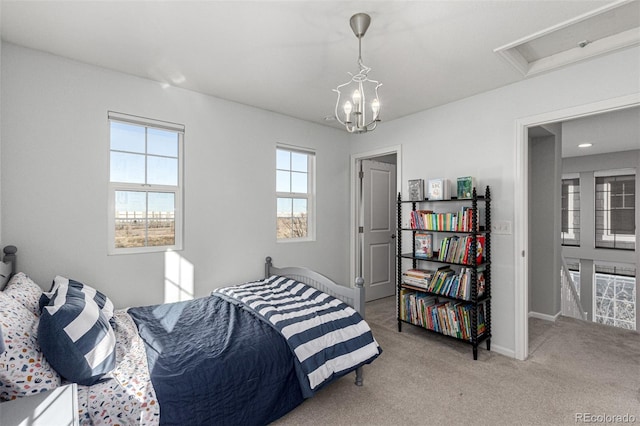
<point x="137" y="229"/>
<point x="292" y="187"/>
<point x="144" y="173"/>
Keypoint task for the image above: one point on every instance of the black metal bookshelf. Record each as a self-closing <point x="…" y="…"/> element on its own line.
<point x="475" y="303"/>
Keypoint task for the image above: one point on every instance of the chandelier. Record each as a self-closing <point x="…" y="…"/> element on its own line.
<point x="360" y="111"/>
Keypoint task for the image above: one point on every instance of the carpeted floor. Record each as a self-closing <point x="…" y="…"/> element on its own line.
<point x="576" y="371"/>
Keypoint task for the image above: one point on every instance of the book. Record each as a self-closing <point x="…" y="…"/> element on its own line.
<point x="422" y="274"/>
<point x="420" y="219"/>
<point x="424" y="245"/>
<point x="480" y="248"/>
<point x="481" y="282"/>
<point x="438" y="189"/>
<point x="465" y="187"/>
<point x="416" y="189"/>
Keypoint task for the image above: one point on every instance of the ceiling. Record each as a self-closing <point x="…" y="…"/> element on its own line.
<point x="607" y="132"/>
<point x="287" y="56"/>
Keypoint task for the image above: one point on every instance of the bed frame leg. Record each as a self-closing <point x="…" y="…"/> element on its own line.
<point x="359" y="378"/>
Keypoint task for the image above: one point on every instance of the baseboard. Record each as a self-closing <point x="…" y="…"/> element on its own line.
<point x="503" y="351"/>
<point x="545" y="317"/>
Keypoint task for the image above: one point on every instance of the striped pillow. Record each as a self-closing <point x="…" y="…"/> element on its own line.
<point x="74" y="331"/>
<point x="103" y="302"/>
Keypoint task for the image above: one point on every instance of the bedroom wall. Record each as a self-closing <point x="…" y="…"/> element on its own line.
<point x="476" y="136"/>
<point x="544" y="232"/>
<point x="55" y="169"/>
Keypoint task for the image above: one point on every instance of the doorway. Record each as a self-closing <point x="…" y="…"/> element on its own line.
<point x="375" y="177"/>
<point x="522" y="259"/>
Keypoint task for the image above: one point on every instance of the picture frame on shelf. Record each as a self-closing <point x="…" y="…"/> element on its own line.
<point x="465" y="187"/>
<point x="416" y="189"/>
<point x="438" y="189"/>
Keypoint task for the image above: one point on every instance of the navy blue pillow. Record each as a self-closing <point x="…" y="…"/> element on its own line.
<point x="103" y="302"/>
<point x="75" y="335"/>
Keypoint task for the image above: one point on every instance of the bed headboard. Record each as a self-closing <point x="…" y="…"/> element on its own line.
<point x="353" y="296"/>
<point x="7" y="265"/>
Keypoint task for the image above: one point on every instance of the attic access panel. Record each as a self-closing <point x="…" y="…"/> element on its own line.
<point x="614" y="26"/>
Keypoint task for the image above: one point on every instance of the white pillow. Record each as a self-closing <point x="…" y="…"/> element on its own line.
<point x="23" y="368"/>
<point x="25" y="291"/>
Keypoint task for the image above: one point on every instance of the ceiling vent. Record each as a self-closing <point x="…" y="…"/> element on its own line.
<point x="614" y="26"/>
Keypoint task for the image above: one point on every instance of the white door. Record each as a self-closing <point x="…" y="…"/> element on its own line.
<point x="378" y="222"/>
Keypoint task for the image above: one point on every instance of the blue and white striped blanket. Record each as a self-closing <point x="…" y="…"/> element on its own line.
<point x="328" y="337"/>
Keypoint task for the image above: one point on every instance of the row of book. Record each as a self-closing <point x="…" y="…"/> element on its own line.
<point x="446" y="317"/>
<point x="457" y="249"/>
<point x="428" y="220"/>
<point x="445" y="281"/>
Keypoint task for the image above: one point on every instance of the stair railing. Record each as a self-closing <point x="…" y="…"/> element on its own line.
<point x="571" y="306"/>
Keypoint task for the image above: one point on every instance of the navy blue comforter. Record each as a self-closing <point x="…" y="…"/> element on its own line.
<point x="213" y="362"/>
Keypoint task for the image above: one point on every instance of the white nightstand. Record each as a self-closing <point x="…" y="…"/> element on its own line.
<point x="56" y="407"/>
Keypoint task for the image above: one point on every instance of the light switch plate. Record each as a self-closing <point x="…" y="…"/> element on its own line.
<point x="501" y="227"/>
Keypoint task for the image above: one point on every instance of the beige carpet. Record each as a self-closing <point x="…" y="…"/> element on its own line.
<point x="575" y="371"/>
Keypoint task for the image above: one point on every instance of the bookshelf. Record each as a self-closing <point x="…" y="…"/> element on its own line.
<point x="444" y="282"/>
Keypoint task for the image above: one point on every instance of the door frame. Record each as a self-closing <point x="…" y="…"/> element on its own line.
<point x="354" y="246"/>
<point x="521" y="208"/>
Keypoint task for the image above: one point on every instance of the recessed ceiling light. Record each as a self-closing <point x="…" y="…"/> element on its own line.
<point x="585" y="145"/>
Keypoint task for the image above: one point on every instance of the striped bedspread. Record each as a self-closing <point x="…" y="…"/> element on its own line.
<point x="328" y="337"/>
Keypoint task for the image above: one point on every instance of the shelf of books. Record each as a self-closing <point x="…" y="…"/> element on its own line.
<point x="451" y="318"/>
<point x="447" y="288"/>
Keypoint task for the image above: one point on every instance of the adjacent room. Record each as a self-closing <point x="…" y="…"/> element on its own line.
<point x="432" y="199"/>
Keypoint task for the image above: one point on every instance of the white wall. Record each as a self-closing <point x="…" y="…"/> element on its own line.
<point x="544" y="230"/>
<point x="477" y="137"/>
<point x="54" y="174"/>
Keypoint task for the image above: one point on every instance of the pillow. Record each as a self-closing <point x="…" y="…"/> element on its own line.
<point x="74" y="332"/>
<point x="23" y="368"/>
<point x="25" y="291"/>
<point x="75" y="287"/>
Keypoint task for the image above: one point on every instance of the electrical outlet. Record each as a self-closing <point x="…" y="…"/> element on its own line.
<point x="501" y="227"/>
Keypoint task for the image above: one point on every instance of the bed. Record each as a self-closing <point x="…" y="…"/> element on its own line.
<point x="246" y="354"/>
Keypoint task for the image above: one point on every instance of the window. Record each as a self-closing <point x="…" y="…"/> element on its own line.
<point x="145" y="189"/>
<point x="615" y="295"/>
<point x="294" y="194"/>
<point x="571" y="212"/>
<point x="615" y="211"/>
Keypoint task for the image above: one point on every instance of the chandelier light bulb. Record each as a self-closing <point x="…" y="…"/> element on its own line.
<point x="356" y="97"/>
<point x="347" y="110"/>
<point x="375" y="108"/>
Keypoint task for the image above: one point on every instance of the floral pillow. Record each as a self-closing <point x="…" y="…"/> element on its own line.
<point x="25" y="291"/>
<point x="23" y="368"/>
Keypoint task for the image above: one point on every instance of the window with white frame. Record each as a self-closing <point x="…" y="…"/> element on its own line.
<point x="145" y="184"/>
<point x="295" y="187"/>
<point x="615" y="295"/>
<point x="570" y="211"/>
<point x="615" y="210"/>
